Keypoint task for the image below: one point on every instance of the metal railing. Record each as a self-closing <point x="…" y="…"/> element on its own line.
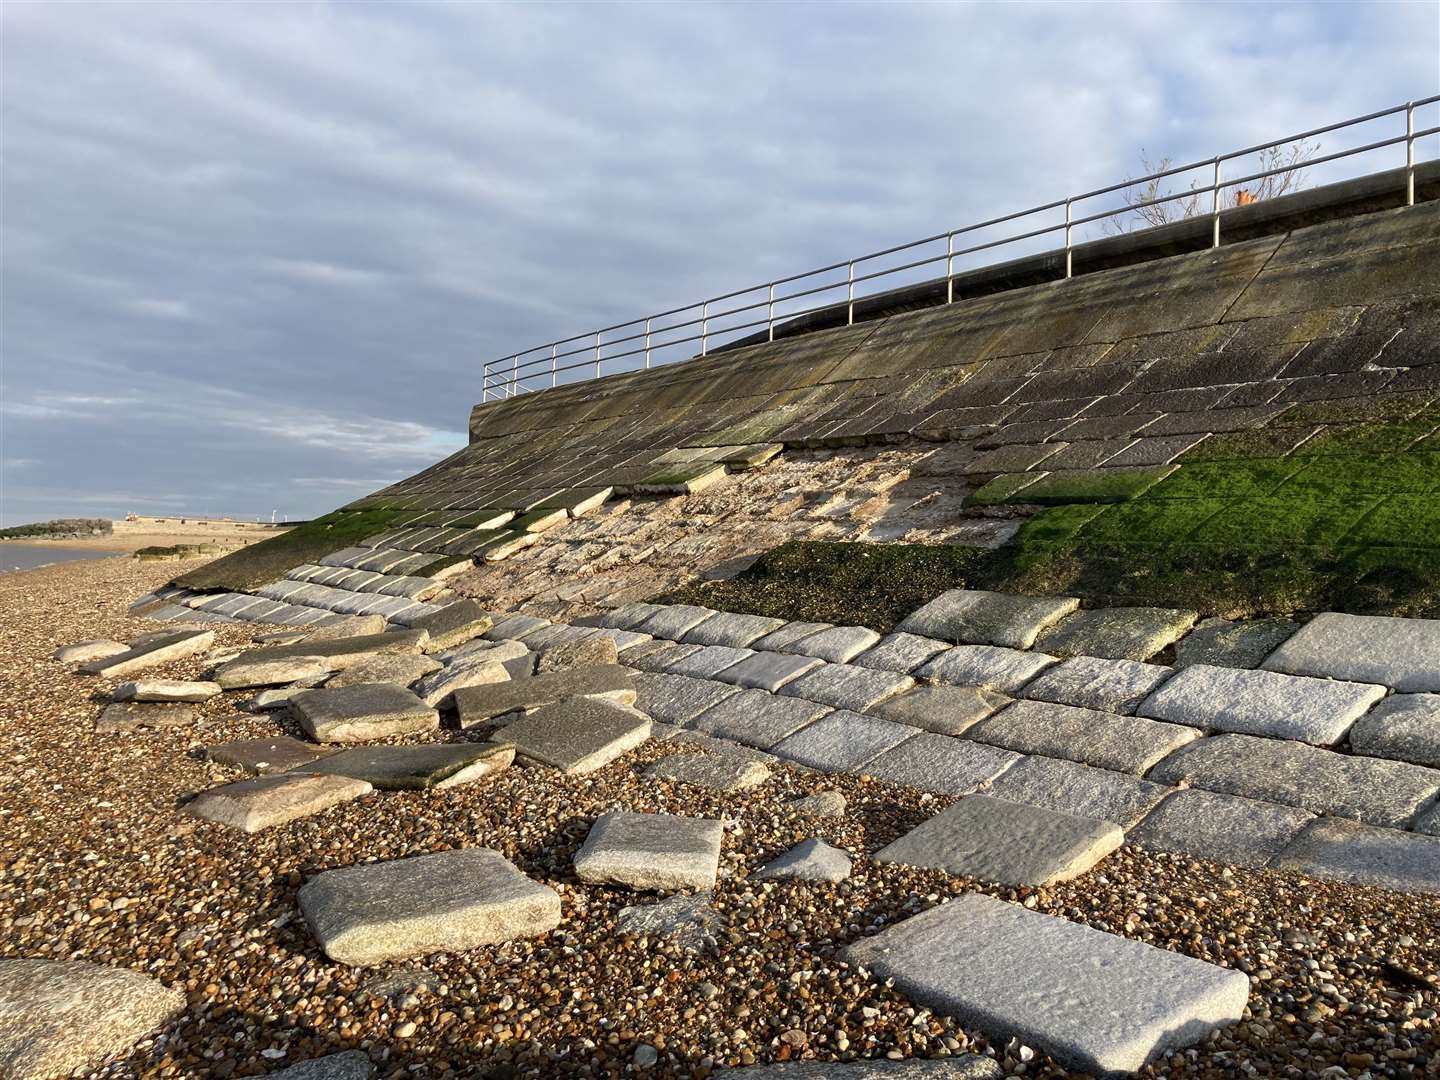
<point x="544" y="365"/>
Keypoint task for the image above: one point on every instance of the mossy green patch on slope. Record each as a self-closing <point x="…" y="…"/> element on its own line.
<point x="253" y="566"/>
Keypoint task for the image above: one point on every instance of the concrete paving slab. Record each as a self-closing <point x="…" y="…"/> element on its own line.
<point x="165" y="690"/>
<point x="1405" y="727"/>
<point x="454" y="624"/>
<point x="1221" y="828"/>
<point x="268" y="754"/>
<point x="939" y="763"/>
<point x="714" y="772"/>
<point x="1091" y="682"/>
<point x="414" y="768"/>
<point x="160" y="650"/>
<point x="902" y="653"/>
<point x="402" y="669"/>
<point x="1403" y="654"/>
<point x="578" y="735"/>
<point x="1372" y="790"/>
<point x="687" y="921"/>
<point x="656" y="655"/>
<point x="974" y="617"/>
<point x="707" y="661"/>
<point x="338" y="653"/>
<point x="677" y="699"/>
<point x="476" y="705"/>
<point x="844" y="686"/>
<point x="1318" y="711"/>
<point x="733" y="630"/>
<point x="836" y="645"/>
<point x="1126" y="744"/>
<point x="674" y="621"/>
<point x="662" y="852"/>
<point x="1131" y="633"/>
<point x="945" y="710"/>
<point x="757" y="718"/>
<point x="1010" y="843"/>
<point x="1350" y="851"/>
<point x="780" y="640"/>
<point x="514" y="627"/>
<point x="589" y="651"/>
<point x="125" y="716"/>
<point x="266" y="801"/>
<point x="842" y="741"/>
<point x="450" y="902"/>
<point x="1005" y="671"/>
<point x="809" y="860"/>
<point x="767" y="670"/>
<point x="1095" y="1001"/>
<point x="625" y="617"/>
<point x="361" y="713"/>
<point x="1068" y="786"/>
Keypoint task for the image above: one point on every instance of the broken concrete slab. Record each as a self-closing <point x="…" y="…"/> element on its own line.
<point x="945" y="710"/>
<point x="1350" y="851"/>
<point x="939" y="763"/>
<point x="482" y="704"/>
<point x="478" y="669"/>
<point x="268" y="754"/>
<point x="82" y="651"/>
<point x="730" y="629"/>
<point x="1318" y="711"/>
<point x="402" y="669"/>
<point x="1373" y="790"/>
<point x="263" y="802"/>
<point x="767" y="670"/>
<point x="902" y="653"/>
<point x="347" y="626"/>
<point x="677" y="699"/>
<point x="974" y="617"/>
<point x="1094" y="1001"/>
<point x="1010" y="843"/>
<point x="1405" y="727"/>
<point x="590" y="651"/>
<point x="339" y="653"/>
<point x="454" y="624"/>
<point x="64" y="1017"/>
<point x="414" y="768"/>
<point x="162" y="649"/>
<point x="844" y="686"/>
<point x="842" y="741"/>
<point x="1091" y="682"/>
<point x="448" y="902"/>
<point x="714" y="772"/>
<point x="243" y="674"/>
<point x="346" y="1065"/>
<point x="1403" y="654"/>
<point x="362" y="712"/>
<point x="1003" y="670"/>
<point x="756" y="718"/>
<point x="279" y="698"/>
<point x="836" y="644"/>
<point x="165" y="690"/>
<point x="578" y="735"/>
<point x="827" y="804"/>
<point x="1127" y="744"/>
<point x="1129" y="633"/>
<point x="131" y="716"/>
<point x="1068" y="786"/>
<point x="650" y="851"/>
<point x="1221" y="828"/>
<point x="809" y="860"/>
<point x="1223" y="643"/>
<point x="688" y="921"/>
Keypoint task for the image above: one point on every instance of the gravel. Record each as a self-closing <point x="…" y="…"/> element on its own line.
<point x="97" y="864"/>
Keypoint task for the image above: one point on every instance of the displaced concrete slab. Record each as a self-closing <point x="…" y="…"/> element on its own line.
<point x="480" y="668"/>
<point x="263" y="802"/>
<point x="1223" y="643"/>
<point x="1005" y="671"/>
<point x="514" y="628"/>
<point x="1093" y="683"/>
<point x="413" y="768"/>
<point x="732" y="630"/>
<point x="448" y="902"/>
<point x="826" y="804"/>
<point x="82" y="651"/>
<point x="900" y="652"/>
<point x="1010" y="843"/>
<point x="677" y="699"/>
<point x="836" y="644"/>
<point x="64" y="1017"/>
<point x="269" y="754"/>
<point x="402" y="669"/>
<point x="843" y="686"/>
<point x="842" y="741"/>
<point x="1127" y="744"/>
<point x="1094" y="1001"/>
<point x="756" y="718"/>
<point x="1350" y="851"/>
<point x="1318" y="711"/>
<point x="454" y="624"/>
<point x="361" y="713"/>
<point x="1400" y="653"/>
<point x="578" y="735"/>
<point x="481" y="704"/>
<point x="650" y="851"/>
<point x="131" y="716"/>
<point x="687" y="921"/>
<point x="939" y="763"/>
<point x="162" y="649"/>
<point x="767" y="670"/>
<point x="1373" y="790"/>
<point x="945" y="710"/>
<point x="243" y="674"/>
<point x="1222" y="828"/>
<point x="1405" y="727"/>
<point x="975" y="617"/>
<point x="714" y="772"/>
<point x="346" y="1065"/>
<point x="1068" y="786"/>
<point x="1133" y="633"/>
<point x="809" y="860"/>
<point x="593" y="650"/>
<point x="165" y="690"/>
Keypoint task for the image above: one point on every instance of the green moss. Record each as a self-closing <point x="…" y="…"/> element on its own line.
<point x="1401" y="521"/>
<point x="1278" y="523"/>
<point x="1268" y="443"/>
<point x="1002" y="489"/>
<point x="1151" y="521"/>
<point x="1367" y="438"/>
<point x="1091" y="485"/>
<point x="1355" y="475"/>
<point x="1061" y="522"/>
<point x="1226" y="479"/>
<point x="258" y="564"/>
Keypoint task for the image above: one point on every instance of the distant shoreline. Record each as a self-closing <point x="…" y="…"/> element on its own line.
<point x="129" y="536"/>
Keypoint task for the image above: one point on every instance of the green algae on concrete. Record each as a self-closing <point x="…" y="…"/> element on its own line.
<point x="1092" y="485"/>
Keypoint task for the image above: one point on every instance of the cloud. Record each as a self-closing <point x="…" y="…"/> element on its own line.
<point x="258" y="261"/>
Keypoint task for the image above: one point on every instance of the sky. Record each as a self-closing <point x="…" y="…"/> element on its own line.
<point x="255" y="256"/>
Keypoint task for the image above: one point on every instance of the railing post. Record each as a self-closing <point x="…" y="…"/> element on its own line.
<point x="1409" y="153"/>
<point x="597" y="354"/>
<point x="515" y="374"/>
<point x="705" y="328"/>
<point x="1215" y="208"/>
<point x="1069" y="263"/>
<point x="770" y="312"/>
<point x="950" y="268"/>
<point x="850" y="295"/>
<point x="554" y="365"/>
<point x="647" y="344"/>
